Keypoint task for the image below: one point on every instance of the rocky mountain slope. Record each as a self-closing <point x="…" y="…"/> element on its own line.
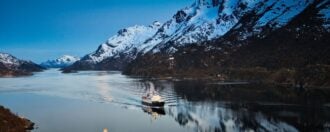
<point x="11" y="66"/>
<point x="61" y="62"/>
<point x="200" y="23"/>
<point x="297" y="52"/>
<point x="230" y="39"/>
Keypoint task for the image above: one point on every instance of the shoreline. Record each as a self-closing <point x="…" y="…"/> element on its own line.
<point x="12" y="122"/>
<point x="283" y="76"/>
<point x="316" y="76"/>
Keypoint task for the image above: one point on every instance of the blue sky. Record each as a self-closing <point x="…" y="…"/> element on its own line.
<point x="38" y="30"/>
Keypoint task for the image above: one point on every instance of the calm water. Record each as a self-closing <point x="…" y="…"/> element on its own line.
<point x="94" y="100"/>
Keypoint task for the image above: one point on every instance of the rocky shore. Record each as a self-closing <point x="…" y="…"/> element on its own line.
<point x="10" y="122"/>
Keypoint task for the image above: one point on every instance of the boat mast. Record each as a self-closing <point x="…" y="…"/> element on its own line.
<point x="151" y="88"/>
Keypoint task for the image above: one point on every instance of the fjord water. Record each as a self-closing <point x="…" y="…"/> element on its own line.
<point x="97" y="100"/>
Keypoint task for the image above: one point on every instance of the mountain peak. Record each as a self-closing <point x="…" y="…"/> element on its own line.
<point x="68" y="58"/>
<point x="127" y="40"/>
<point x="12" y="66"/>
<point x="61" y="62"/>
<point x="8" y="59"/>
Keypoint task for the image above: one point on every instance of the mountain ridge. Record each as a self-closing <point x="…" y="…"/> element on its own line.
<point x="11" y="66"/>
<point x="294" y="54"/>
<point x="205" y="20"/>
<point x="211" y="36"/>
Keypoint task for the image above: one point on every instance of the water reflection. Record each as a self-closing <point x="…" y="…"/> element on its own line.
<point x="189" y="105"/>
<point x="103" y="86"/>
<point x="207" y="108"/>
<point x="154" y="112"/>
<point x="214" y="118"/>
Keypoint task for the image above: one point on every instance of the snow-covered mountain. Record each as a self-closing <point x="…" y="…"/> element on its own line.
<point x="11" y="66"/>
<point x="121" y="47"/>
<point x="9" y="60"/>
<point x="126" y="41"/>
<point x="204" y="20"/>
<point x="61" y="62"/>
<point x="211" y="19"/>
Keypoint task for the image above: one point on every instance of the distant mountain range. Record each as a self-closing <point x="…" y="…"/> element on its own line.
<point x="61" y="62"/>
<point x="11" y="66"/>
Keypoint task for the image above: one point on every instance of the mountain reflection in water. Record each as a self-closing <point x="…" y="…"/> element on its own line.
<point x="193" y="105"/>
<point x="201" y="107"/>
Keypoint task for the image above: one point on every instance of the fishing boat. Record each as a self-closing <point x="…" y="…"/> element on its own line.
<point x="152" y="98"/>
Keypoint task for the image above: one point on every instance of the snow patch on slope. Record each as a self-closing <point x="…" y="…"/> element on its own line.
<point x="282" y="11"/>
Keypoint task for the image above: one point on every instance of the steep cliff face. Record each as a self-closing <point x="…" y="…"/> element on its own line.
<point x="11" y="66"/>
